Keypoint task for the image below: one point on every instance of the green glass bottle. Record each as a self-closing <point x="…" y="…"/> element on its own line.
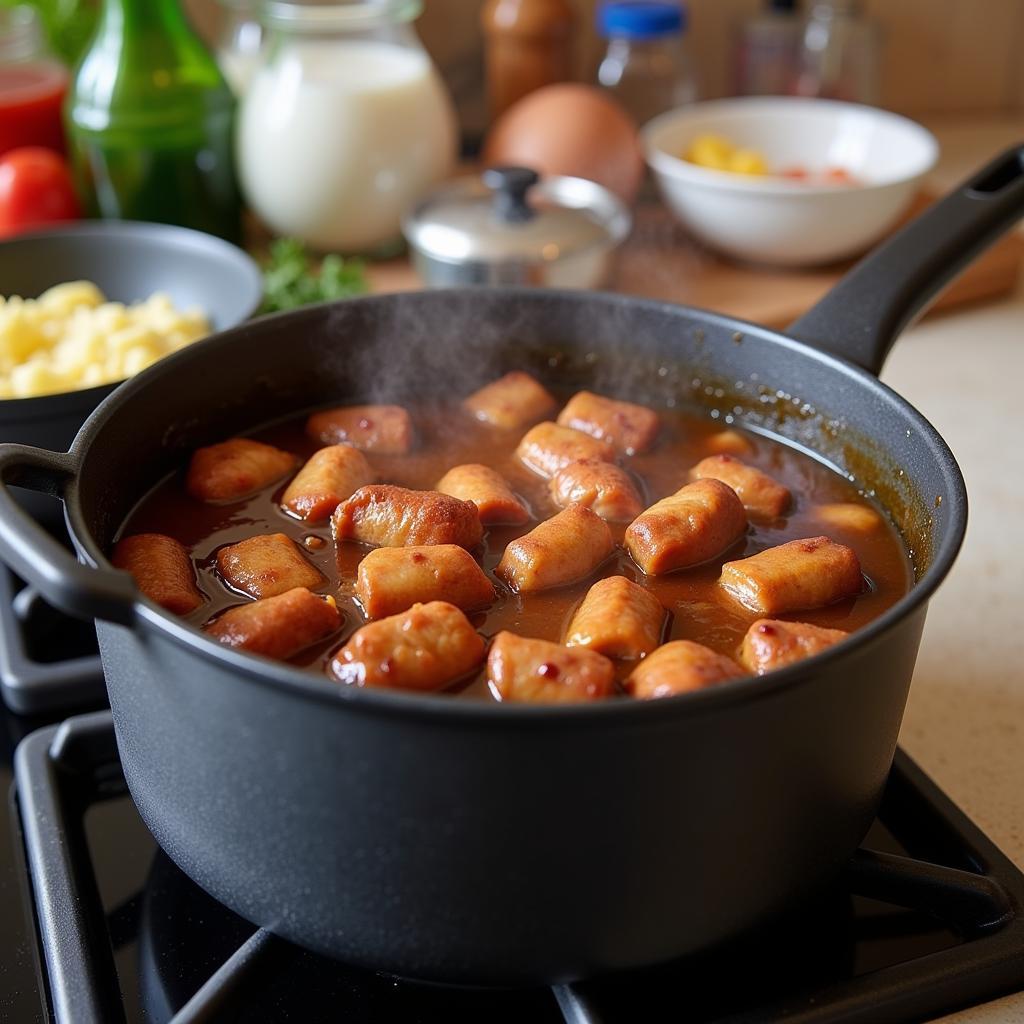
<point x="150" y="122"/>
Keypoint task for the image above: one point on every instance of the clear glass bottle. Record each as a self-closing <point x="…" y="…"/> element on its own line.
<point x="646" y="66"/>
<point x="240" y="43"/>
<point x="32" y="84"/>
<point x="150" y="122"/>
<point x="766" y="47"/>
<point x="840" y="53"/>
<point x="345" y="125"/>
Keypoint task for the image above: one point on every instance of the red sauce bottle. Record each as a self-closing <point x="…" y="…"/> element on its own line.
<point x="32" y="84"/>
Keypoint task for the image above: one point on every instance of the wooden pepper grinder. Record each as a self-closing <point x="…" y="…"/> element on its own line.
<point x="528" y="45"/>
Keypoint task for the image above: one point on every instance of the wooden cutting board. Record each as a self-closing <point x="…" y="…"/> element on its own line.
<point x="660" y="261"/>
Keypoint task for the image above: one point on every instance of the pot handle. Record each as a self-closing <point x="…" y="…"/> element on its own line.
<point x="80" y="590"/>
<point x="861" y="317"/>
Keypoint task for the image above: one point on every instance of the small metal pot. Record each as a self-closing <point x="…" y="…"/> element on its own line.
<point x="509" y="226"/>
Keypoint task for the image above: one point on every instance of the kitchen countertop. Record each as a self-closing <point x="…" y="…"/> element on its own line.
<point x="965" y="719"/>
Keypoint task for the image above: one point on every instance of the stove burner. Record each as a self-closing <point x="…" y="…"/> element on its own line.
<point x="48" y="660"/>
<point x="928" y="918"/>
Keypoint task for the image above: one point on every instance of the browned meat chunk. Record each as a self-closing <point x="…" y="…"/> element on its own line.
<point x="540" y="672"/>
<point x="266" y="565"/>
<point x="384" y="429"/>
<point x="760" y="494"/>
<point x="511" y="402"/>
<point x="236" y="468"/>
<point x="390" y="580"/>
<point x="627" y="427"/>
<point x="694" y="525"/>
<point x="680" y="667"/>
<point x="561" y="550"/>
<point x="547" y="448"/>
<point x="848" y="518"/>
<point x="424" y="648"/>
<point x="606" y="488"/>
<point x="162" y="569"/>
<point x="395" y="517"/>
<point x="802" y="574"/>
<point x="325" y="481"/>
<point x="729" y="442"/>
<point x="772" y="643"/>
<point x="278" y="627"/>
<point x="487" y="489"/>
<point x="618" y="619"/>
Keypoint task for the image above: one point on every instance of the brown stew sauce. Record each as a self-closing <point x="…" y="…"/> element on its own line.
<point x="448" y="437"/>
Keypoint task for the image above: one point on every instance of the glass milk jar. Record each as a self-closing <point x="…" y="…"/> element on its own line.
<point x="345" y="125"/>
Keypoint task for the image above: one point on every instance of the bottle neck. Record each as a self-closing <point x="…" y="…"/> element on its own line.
<point x="144" y="15"/>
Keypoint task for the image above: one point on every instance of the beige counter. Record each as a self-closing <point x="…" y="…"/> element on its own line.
<point x="965" y="720"/>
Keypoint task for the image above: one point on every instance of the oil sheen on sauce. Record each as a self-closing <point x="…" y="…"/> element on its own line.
<point x="698" y="609"/>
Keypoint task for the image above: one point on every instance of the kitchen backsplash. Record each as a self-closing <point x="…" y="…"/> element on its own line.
<point x="940" y="56"/>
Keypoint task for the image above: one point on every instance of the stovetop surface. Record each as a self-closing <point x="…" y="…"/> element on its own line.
<point x="168" y="937"/>
<point x="896" y="940"/>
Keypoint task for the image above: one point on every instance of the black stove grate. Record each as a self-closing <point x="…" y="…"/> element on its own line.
<point x="928" y="918"/>
<point x="48" y="661"/>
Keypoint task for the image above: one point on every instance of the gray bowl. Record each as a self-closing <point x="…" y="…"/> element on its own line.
<point x="128" y="261"/>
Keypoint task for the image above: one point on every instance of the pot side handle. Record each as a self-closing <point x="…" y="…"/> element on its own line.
<point x="861" y="317"/>
<point x="80" y="590"/>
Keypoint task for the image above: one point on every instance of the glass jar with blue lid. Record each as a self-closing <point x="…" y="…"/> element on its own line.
<point x="647" y="64"/>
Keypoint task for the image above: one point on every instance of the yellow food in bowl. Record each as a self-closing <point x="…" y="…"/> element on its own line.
<point x="722" y="155"/>
<point x="71" y="338"/>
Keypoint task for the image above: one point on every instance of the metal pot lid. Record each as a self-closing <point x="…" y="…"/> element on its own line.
<point x="511" y="214"/>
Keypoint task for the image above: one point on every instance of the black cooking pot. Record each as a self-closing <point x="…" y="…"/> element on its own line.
<point x="466" y="841"/>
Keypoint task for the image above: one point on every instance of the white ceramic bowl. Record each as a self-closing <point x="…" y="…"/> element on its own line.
<point x="781" y="221"/>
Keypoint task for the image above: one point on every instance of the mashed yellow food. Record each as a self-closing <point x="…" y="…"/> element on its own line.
<point x="722" y="155"/>
<point x="71" y="337"/>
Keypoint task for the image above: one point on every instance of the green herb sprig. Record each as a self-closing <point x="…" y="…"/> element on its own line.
<point x="290" y="278"/>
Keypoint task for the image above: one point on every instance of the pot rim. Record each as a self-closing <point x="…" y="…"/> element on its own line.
<point x="442" y="708"/>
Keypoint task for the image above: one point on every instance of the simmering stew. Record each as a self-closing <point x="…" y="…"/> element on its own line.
<point x="511" y="547"/>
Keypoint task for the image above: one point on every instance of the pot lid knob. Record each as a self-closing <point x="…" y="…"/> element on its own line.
<point x="510" y="185"/>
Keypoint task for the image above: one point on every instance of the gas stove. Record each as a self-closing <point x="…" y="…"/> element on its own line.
<point x="100" y="927"/>
<point x="48" y="661"/>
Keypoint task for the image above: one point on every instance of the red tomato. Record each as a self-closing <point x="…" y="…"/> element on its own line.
<point x="35" y="190"/>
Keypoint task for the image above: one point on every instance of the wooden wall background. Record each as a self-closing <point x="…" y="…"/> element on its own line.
<point x="940" y="56"/>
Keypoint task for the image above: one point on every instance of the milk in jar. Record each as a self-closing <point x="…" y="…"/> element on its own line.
<point x="341" y="132"/>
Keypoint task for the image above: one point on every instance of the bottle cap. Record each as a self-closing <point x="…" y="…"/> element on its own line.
<point x="640" y="20"/>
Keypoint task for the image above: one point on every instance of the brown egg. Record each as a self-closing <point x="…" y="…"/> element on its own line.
<point x="570" y="129"/>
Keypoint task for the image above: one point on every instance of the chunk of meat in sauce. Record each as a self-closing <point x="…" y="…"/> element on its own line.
<point x="162" y="569"/>
<point x="547" y="448"/>
<point x="511" y="402"/>
<point x="761" y="495"/>
<point x="606" y="488"/>
<point x="617" y="618"/>
<point x="390" y="580"/>
<point x="846" y="517"/>
<point x="277" y="627"/>
<point x="680" y="667"/>
<point x="694" y="525"/>
<point x="384" y="429"/>
<point x="425" y="648"/>
<point x="792" y="577"/>
<point x="629" y="428"/>
<point x="329" y="477"/>
<point x="488" y="490"/>
<point x="540" y="672"/>
<point x="394" y="517"/>
<point x="266" y="565"/>
<point x="774" y="643"/>
<point x="235" y="469"/>
<point x="563" y="549"/>
<point x="729" y="442"/>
